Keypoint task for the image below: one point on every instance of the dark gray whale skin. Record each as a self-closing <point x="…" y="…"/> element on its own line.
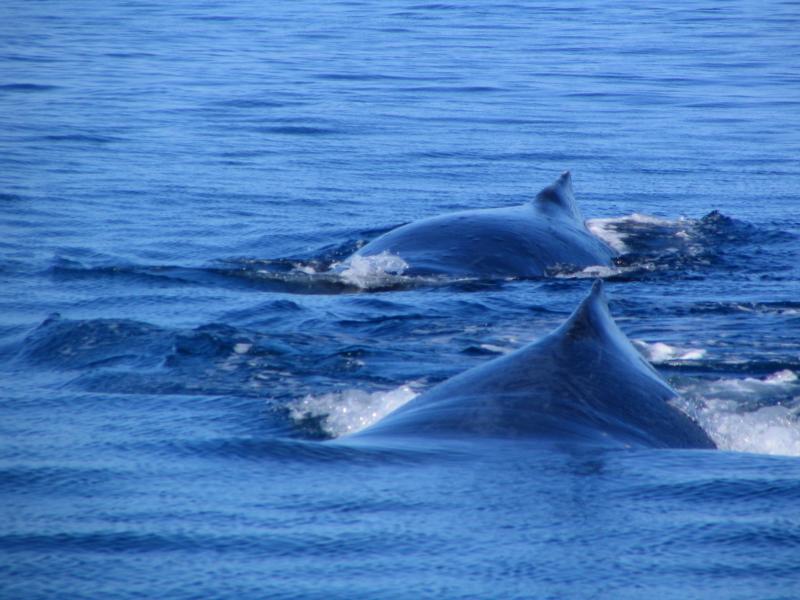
<point x="583" y="383"/>
<point x="518" y="241"/>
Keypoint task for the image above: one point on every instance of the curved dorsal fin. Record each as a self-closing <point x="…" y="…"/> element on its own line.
<point x="558" y="199"/>
<point x="592" y="322"/>
<point x="591" y="318"/>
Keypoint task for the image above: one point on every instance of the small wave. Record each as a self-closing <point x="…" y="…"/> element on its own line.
<point x="65" y="269"/>
<point x="743" y="414"/>
<point x="486" y="349"/>
<point x="659" y="352"/>
<point x="348" y="411"/>
<point x="286" y="450"/>
<point x="788" y="308"/>
<point x="68" y="344"/>
<point x="613" y="272"/>
<point x="56" y="480"/>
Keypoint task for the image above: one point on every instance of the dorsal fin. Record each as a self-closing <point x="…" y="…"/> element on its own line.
<point x="591" y="318"/>
<point x="558" y="199"/>
<point x="591" y="325"/>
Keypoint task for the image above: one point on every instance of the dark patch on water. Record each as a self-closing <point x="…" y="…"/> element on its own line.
<point x="297" y="130"/>
<point x="27" y="87"/>
<point x="254" y="103"/>
<point x="359" y="77"/>
<point x="80" y="138"/>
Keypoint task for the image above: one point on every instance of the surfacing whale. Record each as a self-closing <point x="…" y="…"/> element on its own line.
<point x="583" y="383"/>
<point x="517" y="241"/>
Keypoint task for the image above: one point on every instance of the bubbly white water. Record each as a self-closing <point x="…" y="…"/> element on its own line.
<point x="373" y="271"/>
<point x="771" y="429"/>
<point x="351" y="410"/>
<point x="768" y="430"/>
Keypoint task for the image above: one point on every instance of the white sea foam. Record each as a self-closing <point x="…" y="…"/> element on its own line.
<point x="772" y="429"/>
<point x="768" y="430"/>
<point x="496" y="349"/>
<point x="659" y="352"/>
<point x="372" y="271"/>
<point x="608" y="229"/>
<point x="351" y="410"/>
<point x="603" y="272"/>
<point x="307" y="269"/>
<point x="602" y="228"/>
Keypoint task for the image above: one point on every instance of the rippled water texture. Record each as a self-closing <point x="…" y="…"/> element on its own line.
<point x="181" y="184"/>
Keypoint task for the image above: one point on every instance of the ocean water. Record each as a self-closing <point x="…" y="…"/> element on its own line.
<point x="178" y="179"/>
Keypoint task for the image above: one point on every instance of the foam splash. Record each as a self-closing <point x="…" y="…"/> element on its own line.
<point x="350" y="410"/>
<point x="604" y="272"/>
<point x="719" y="405"/>
<point x="768" y="430"/>
<point x="305" y="269"/>
<point x="601" y="228"/>
<point x="611" y="230"/>
<point x="372" y="271"/>
<point x="659" y="352"/>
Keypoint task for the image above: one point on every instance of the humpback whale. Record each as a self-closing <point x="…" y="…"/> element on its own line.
<point x="582" y="383"/>
<point x="517" y="241"/>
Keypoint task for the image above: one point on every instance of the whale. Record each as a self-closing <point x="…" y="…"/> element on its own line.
<point x="528" y="240"/>
<point x="584" y="383"/>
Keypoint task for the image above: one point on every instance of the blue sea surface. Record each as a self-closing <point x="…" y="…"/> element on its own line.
<point x="179" y="182"/>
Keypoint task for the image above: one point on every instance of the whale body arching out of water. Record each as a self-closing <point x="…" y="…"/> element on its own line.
<point x="583" y="383"/>
<point x="517" y="241"/>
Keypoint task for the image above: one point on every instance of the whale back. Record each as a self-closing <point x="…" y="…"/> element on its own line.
<point x="526" y="240"/>
<point x="558" y="200"/>
<point x="584" y="383"/>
